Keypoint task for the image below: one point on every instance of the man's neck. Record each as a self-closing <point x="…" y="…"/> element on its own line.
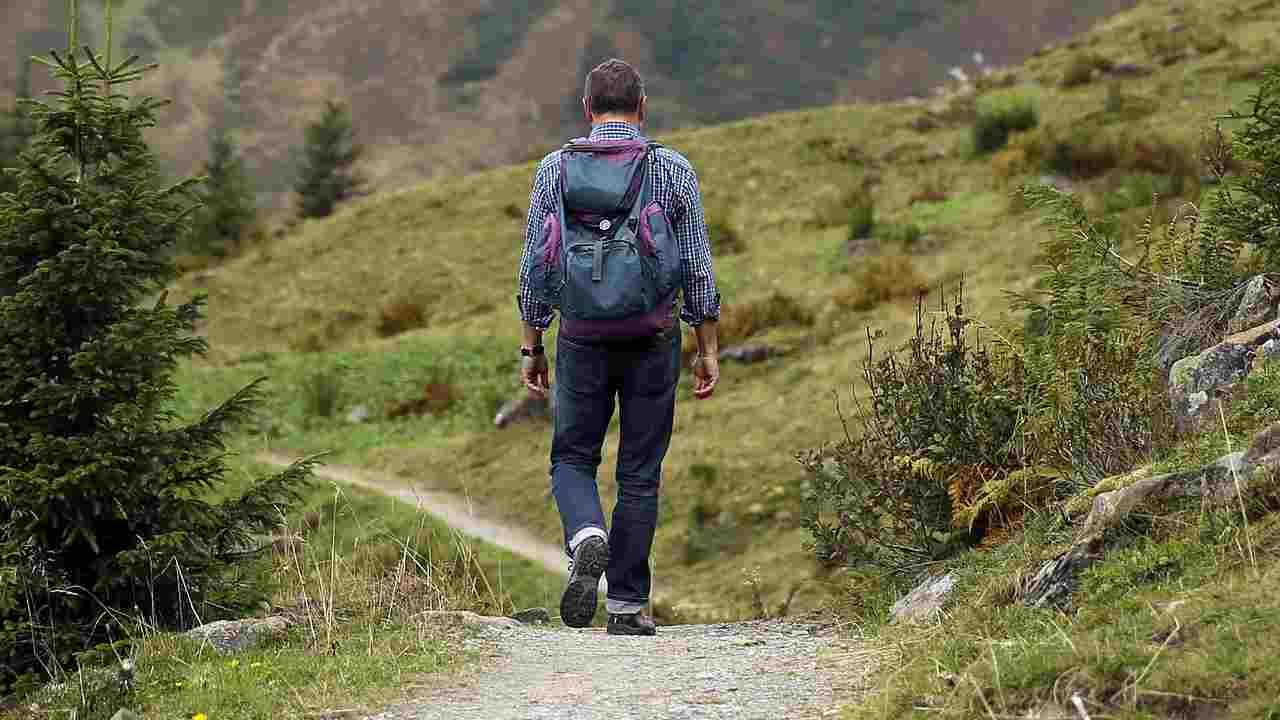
<point x="632" y="120"/>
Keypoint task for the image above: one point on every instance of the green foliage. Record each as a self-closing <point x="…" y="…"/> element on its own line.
<point x="999" y="116"/>
<point x="102" y="489"/>
<point x="938" y="411"/>
<point x="328" y="175"/>
<point x="1248" y="207"/>
<point x="227" y="209"/>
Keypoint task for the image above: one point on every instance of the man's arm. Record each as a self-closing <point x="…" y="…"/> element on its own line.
<point x="535" y="315"/>
<point x="701" y="308"/>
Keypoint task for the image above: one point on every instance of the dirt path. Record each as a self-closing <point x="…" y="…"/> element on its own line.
<point x="451" y="509"/>
<point x="770" y="670"/>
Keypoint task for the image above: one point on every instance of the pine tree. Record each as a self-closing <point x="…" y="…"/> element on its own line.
<point x="15" y="132"/>
<point x="228" y="207"/>
<point x="105" y="506"/>
<point x="328" y="176"/>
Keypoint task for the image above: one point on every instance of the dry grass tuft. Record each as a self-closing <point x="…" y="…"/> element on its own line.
<point x="400" y="317"/>
<point x="880" y="280"/>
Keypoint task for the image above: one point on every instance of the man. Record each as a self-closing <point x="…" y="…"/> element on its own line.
<point x="642" y="373"/>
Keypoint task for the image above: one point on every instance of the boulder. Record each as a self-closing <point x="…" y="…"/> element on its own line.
<point x="232" y="636"/>
<point x="924" y="604"/>
<point x="526" y="407"/>
<point x="748" y="354"/>
<point x="1258" y="304"/>
<point x="1197" y="380"/>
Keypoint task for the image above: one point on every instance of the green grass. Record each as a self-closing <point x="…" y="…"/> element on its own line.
<point x="368" y="564"/>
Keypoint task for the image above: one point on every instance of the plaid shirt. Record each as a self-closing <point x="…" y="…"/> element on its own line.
<point x="675" y="187"/>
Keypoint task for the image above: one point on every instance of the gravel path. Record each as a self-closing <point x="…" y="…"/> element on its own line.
<point x="769" y="670"/>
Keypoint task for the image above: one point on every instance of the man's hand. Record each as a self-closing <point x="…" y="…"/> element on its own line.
<point x="535" y="374"/>
<point x="706" y="372"/>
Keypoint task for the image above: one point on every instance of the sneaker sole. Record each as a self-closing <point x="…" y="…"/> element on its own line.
<point x="579" y="602"/>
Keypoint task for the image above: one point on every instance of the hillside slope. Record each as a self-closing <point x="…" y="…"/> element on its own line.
<point x="448" y="87"/>
<point x="311" y="303"/>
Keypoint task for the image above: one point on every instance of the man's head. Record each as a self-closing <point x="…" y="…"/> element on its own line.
<point x="614" y="91"/>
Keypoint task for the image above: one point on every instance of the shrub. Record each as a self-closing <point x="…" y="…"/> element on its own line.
<point x="105" y="498"/>
<point x="400" y="317"/>
<point x="878" y="280"/>
<point x="436" y="398"/>
<point x="228" y="207"/>
<point x="999" y="116"/>
<point x="1248" y="207"/>
<point x="940" y="411"/>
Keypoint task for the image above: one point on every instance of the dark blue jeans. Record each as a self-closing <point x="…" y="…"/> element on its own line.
<point x="643" y="378"/>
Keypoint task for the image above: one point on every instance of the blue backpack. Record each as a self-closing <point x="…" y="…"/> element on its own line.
<point x="607" y="259"/>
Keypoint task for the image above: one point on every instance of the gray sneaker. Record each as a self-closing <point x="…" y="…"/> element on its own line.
<point x="578" y="604"/>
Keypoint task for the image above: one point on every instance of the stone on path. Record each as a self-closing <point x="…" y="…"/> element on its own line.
<point x="232" y="636"/>
<point x="748" y="354"/>
<point x="469" y="618"/>
<point x="533" y="616"/>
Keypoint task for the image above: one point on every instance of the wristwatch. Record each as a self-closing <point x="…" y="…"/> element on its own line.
<point x="534" y="351"/>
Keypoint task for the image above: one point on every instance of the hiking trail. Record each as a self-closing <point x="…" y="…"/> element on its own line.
<point x="769" y="669"/>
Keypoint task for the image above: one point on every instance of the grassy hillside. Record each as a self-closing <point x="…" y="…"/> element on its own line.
<point x="306" y="310"/>
<point x="470" y="84"/>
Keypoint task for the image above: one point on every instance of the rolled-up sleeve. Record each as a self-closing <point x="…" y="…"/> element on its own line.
<point x="701" y="297"/>
<point x="533" y="312"/>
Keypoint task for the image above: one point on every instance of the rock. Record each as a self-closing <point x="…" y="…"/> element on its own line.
<point x="123" y="714"/>
<point x="861" y="247"/>
<point x="526" y="407"/>
<point x="1257" y="306"/>
<point x="748" y="354"/>
<point x="231" y="636"/>
<point x="533" y="616"/>
<point x="1215" y="483"/>
<point x="1197" y="380"/>
<point x="359" y="414"/>
<point x="925" y="602"/>
<point x="924" y="123"/>
<point x="1057" y="579"/>
<point x="468" y="618"/>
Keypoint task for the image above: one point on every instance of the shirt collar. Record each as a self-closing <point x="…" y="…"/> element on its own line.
<point x="614" y="130"/>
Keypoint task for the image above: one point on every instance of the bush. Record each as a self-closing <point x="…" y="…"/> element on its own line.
<point x="999" y="116"/>
<point x="1248" y="207"/>
<point x="940" y="413"/>
<point x="322" y="393"/>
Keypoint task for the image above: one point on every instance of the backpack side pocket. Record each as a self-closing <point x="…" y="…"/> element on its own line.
<point x="544" y="270"/>
<point x="659" y="241"/>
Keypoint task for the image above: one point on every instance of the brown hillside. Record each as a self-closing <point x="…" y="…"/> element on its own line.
<point x="471" y="84"/>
